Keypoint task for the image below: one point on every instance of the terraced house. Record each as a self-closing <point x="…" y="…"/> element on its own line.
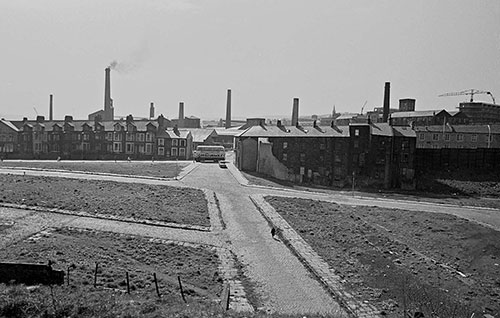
<point x="84" y="139"/>
<point x="8" y="138"/>
<point x="363" y="153"/>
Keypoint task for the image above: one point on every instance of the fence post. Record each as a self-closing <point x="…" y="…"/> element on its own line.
<point x="180" y="286"/>
<point x="225" y="297"/>
<point x="156" y="285"/>
<point x="95" y="274"/>
<point x="128" y="284"/>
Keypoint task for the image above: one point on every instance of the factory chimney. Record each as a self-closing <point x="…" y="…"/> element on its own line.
<point x="228" y="109"/>
<point x="387" y="100"/>
<point x="108" y="102"/>
<point x="51" y="107"/>
<point x="181" y="114"/>
<point x="295" y="112"/>
<point x="152" y="110"/>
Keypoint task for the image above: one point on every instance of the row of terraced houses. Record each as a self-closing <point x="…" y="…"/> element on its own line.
<point x="83" y="139"/>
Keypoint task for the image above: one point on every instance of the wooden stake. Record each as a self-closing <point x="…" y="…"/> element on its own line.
<point x="225" y="297"/>
<point x="180" y="286"/>
<point x="95" y="274"/>
<point x="156" y="285"/>
<point x="128" y="284"/>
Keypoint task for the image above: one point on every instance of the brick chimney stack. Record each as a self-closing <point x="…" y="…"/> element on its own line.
<point x="387" y="101"/>
<point x="295" y="112"/>
<point x="181" y="114"/>
<point x="108" y="102"/>
<point x="228" y="109"/>
<point x="51" y="108"/>
<point x="152" y="110"/>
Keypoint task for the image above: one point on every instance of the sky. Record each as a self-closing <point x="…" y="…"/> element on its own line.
<point x="325" y="52"/>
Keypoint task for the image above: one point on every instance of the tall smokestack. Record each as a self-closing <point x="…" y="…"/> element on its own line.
<point x="51" y="107"/>
<point x="152" y="110"/>
<point x="181" y="114"/>
<point x="295" y="112"/>
<point x="108" y="102"/>
<point x="387" y="100"/>
<point x="228" y="109"/>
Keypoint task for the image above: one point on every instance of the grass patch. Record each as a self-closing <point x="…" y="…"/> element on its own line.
<point x="159" y="169"/>
<point x="135" y="200"/>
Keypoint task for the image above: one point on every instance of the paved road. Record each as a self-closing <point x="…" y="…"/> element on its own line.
<point x="282" y="281"/>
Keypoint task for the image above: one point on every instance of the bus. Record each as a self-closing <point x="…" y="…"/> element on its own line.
<point x="213" y="153"/>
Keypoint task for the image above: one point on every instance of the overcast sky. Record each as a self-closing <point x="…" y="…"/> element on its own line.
<point x="325" y="52"/>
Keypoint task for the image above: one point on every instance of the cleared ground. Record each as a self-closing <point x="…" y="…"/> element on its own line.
<point x="403" y="260"/>
<point x="159" y="169"/>
<point x="480" y="192"/>
<point x="140" y="201"/>
<point x="117" y="254"/>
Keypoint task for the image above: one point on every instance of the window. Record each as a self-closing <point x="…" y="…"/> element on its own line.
<point x="141" y="148"/>
<point x="182" y="143"/>
<point x="148" y="137"/>
<point x="302" y="157"/>
<point x="117" y="147"/>
<point x="285" y="157"/>
<point x="161" y="142"/>
<point x="447" y="137"/>
<point x="148" y="148"/>
<point x="356" y="144"/>
<point x="86" y="146"/>
<point x="118" y="136"/>
<point x="404" y="157"/>
<point x="285" y="145"/>
<point x="174" y="152"/>
<point x="161" y="151"/>
<point x="356" y="132"/>
<point x="140" y="137"/>
<point x="182" y="152"/>
<point x="129" y="136"/>
<point x="421" y="136"/>
<point x="460" y="137"/>
<point x="110" y="136"/>
<point x="175" y="142"/>
<point x="474" y="138"/>
<point x="86" y="137"/>
<point x="435" y="137"/>
<point x="130" y="147"/>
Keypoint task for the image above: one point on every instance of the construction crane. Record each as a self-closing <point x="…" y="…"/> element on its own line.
<point x="363" y="107"/>
<point x="470" y="92"/>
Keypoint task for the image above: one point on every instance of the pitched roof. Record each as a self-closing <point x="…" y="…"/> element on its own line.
<point x="200" y="134"/>
<point x="292" y="131"/>
<point x="419" y="113"/>
<point x="182" y="134"/>
<point x="9" y="124"/>
<point x="466" y="129"/>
